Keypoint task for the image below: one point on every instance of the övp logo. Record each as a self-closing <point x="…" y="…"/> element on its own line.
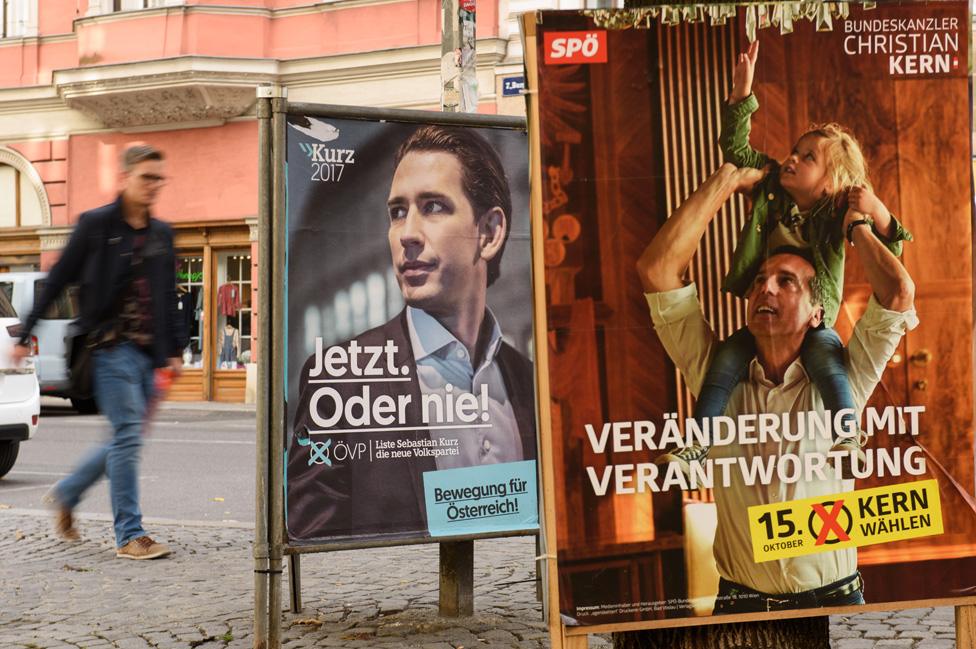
<point x="563" y="48"/>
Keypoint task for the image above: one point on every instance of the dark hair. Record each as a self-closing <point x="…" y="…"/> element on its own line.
<point x="482" y="174"/>
<point x="816" y="286"/>
<point x="136" y="153"/>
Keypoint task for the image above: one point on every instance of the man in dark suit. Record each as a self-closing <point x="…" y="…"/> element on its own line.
<point x="434" y="388"/>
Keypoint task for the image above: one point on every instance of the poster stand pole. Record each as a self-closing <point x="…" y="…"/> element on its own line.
<point x="262" y="468"/>
<point x="275" y="336"/>
<point x="456" y="597"/>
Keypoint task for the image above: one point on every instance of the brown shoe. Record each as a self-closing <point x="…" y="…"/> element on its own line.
<point x="142" y="548"/>
<point x="64" y="522"/>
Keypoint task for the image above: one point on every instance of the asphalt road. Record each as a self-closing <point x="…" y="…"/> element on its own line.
<point x="197" y="462"/>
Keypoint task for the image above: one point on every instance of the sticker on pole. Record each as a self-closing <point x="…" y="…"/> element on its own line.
<point x="846" y="520"/>
<point x="564" y="48"/>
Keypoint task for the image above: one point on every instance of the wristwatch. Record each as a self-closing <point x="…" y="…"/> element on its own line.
<point x="853" y="224"/>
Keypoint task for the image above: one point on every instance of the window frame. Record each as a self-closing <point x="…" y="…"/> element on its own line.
<point x="21" y="15"/>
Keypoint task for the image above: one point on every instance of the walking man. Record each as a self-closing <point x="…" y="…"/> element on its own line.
<point x="122" y="259"/>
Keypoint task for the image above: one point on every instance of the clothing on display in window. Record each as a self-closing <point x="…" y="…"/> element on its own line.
<point x="230" y="348"/>
<point x="229" y="299"/>
<point x="186" y="308"/>
<point x="198" y="315"/>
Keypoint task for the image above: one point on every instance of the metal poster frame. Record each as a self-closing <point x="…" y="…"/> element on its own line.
<point x="270" y="542"/>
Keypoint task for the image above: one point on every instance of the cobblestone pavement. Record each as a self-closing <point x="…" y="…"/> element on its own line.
<point x="57" y="595"/>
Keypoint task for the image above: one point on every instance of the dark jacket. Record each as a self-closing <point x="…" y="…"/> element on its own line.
<point x="368" y="499"/>
<point x="97" y="258"/>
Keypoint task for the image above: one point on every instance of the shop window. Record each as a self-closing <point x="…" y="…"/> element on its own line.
<point x="233" y="311"/>
<point x="189" y="291"/>
<point x="20" y="206"/>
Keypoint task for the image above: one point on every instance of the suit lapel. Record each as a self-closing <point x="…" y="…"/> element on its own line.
<point x="521" y="392"/>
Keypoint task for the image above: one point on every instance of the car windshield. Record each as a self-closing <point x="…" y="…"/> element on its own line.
<point x="6" y="308"/>
<point x="64" y="307"/>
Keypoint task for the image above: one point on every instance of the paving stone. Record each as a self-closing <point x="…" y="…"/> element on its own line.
<point x="936" y="644"/>
<point x="853" y="643"/>
<point x="376" y="599"/>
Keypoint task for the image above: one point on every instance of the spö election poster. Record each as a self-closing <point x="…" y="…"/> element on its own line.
<point x="759" y="302"/>
<point x="411" y="399"/>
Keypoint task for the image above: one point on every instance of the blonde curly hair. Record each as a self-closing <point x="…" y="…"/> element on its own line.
<point x="846" y="166"/>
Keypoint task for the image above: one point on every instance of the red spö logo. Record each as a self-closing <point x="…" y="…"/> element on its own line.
<point x="576" y="47"/>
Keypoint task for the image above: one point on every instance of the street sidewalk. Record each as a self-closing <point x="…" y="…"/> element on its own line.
<point x="59" y="595"/>
<point x="58" y="403"/>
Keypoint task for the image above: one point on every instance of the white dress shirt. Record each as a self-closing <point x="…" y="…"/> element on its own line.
<point x="690" y="342"/>
<point x="442" y="360"/>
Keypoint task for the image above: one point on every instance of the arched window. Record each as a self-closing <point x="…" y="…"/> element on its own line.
<point x="23" y="201"/>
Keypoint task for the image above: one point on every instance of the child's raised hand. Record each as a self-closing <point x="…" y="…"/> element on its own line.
<point x="864" y="200"/>
<point x="746" y="178"/>
<point x="745" y="67"/>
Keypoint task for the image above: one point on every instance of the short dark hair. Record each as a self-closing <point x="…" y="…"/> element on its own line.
<point x="482" y="174"/>
<point x="816" y="286"/>
<point x="136" y="153"/>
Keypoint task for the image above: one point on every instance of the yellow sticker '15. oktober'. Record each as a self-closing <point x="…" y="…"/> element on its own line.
<point x="845" y="520"/>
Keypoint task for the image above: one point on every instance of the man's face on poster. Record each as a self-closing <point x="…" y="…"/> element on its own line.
<point x="434" y="234"/>
<point x="781" y="300"/>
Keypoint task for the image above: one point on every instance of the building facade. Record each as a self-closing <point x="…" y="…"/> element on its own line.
<point x="80" y="79"/>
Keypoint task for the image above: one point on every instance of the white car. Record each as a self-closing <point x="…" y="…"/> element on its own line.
<point x="23" y="289"/>
<point x="20" y="393"/>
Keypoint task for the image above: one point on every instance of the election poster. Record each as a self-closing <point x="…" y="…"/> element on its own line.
<point x="410" y="381"/>
<point x="758" y="273"/>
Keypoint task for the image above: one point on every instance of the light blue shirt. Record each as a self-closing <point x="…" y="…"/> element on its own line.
<point x="444" y="368"/>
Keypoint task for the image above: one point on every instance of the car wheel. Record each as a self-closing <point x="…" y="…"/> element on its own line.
<point x="8" y="455"/>
<point x="85" y="406"/>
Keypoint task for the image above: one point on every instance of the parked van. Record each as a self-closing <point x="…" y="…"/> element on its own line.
<point x="22" y="289"/>
<point x="20" y="397"/>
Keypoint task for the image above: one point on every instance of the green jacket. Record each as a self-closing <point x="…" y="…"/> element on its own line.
<point x="823" y="226"/>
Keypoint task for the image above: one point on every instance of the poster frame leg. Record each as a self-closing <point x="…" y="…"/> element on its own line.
<point x="295" y="582"/>
<point x="456" y="579"/>
<point x="966" y="625"/>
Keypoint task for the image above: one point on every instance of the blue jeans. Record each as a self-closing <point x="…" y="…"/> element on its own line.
<point x="822" y="354"/>
<point x="123" y="383"/>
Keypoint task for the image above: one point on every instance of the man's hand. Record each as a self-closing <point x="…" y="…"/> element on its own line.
<point x="745" y="68"/>
<point x="19" y="353"/>
<point x="175" y="365"/>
